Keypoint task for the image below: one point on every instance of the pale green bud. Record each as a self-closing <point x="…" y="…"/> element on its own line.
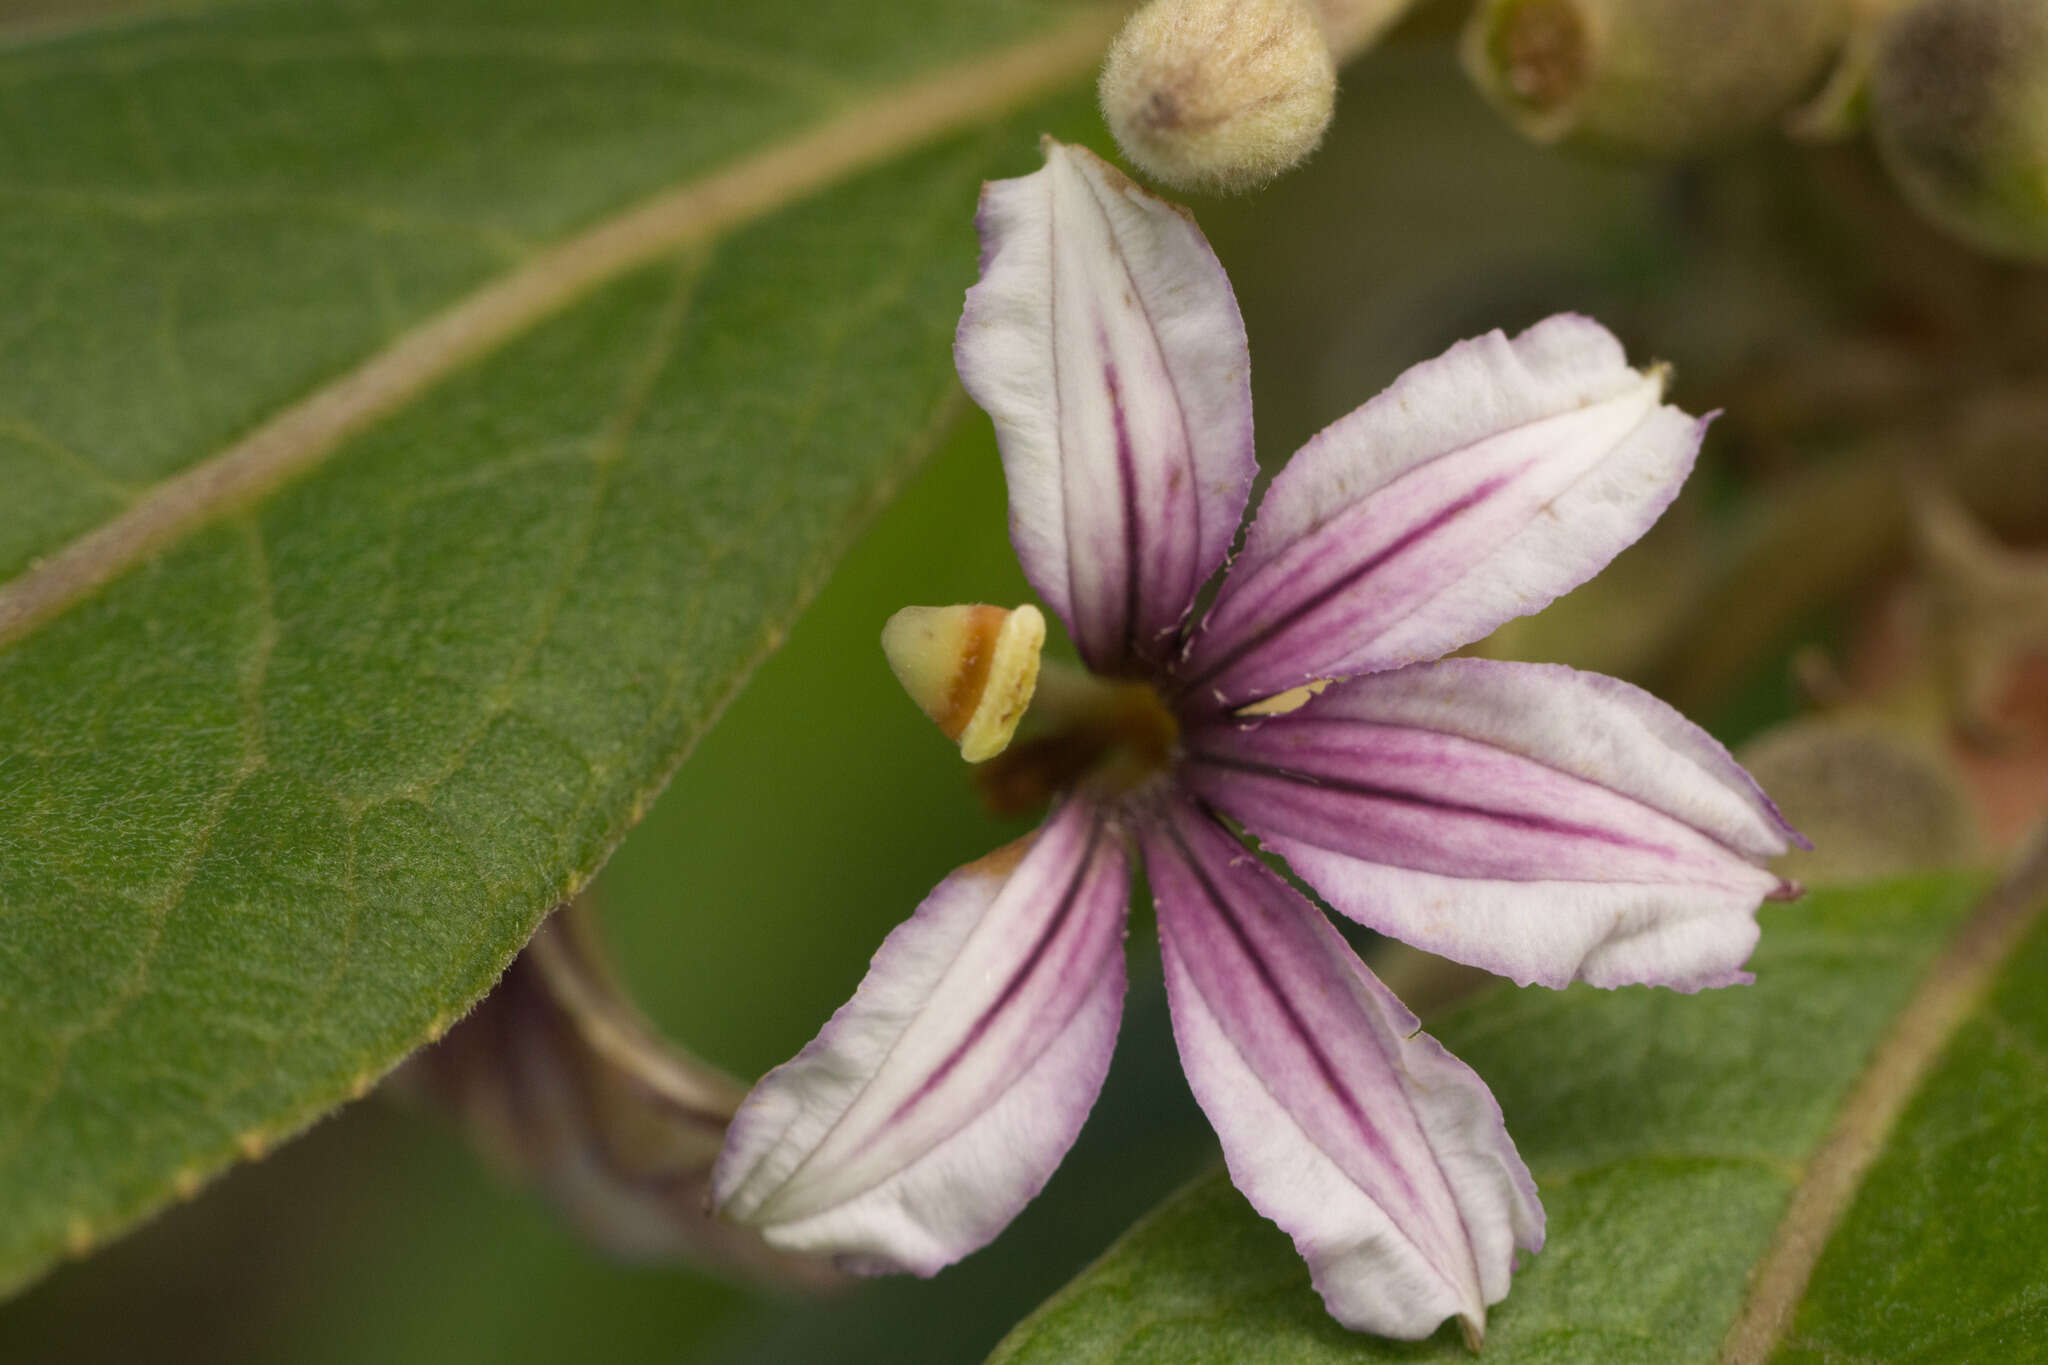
<point x="1875" y="800"/>
<point x="1219" y="95"/>
<point x="1959" y="110"/>
<point x="1662" y="77"/>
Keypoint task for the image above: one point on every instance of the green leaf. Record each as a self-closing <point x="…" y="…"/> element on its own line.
<point x="1876" y="1099"/>
<point x="1948" y="1237"/>
<point x="408" y="1250"/>
<point x="416" y="421"/>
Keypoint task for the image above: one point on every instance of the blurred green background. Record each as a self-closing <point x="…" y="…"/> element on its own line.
<point x="823" y="807"/>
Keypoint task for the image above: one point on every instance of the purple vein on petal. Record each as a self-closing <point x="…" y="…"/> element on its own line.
<point x="1126" y="456"/>
<point x="940" y="1097"/>
<point x="1024" y="972"/>
<point x="1449" y="804"/>
<point x="1127" y="480"/>
<point x="1540" y="824"/>
<point x="1342" y="584"/>
<point x="1135" y="650"/>
<point x="1325" y="1067"/>
<point x="1580" y="457"/>
<point x="1105" y="343"/>
<point x="1381" y="1156"/>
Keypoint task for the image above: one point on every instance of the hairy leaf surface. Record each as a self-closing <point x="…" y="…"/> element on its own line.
<point x="415" y="421"/>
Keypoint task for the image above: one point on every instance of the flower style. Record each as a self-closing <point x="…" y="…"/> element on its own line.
<point x="1546" y="824"/>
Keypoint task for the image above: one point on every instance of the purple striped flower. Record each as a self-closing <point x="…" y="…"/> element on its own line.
<point x="1549" y="825"/>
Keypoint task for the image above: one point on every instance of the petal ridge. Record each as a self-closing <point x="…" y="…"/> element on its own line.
<point x="1539" y="822"/>
<point x="938" y="1100"/>
<point x="1383" y="1157"/>
<point x="1479" y="486"/>
<point x="1105" y="342"/>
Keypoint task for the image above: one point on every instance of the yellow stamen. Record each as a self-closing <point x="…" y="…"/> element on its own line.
<point x="972" y="669"/>
<point x="1293" y="699"/>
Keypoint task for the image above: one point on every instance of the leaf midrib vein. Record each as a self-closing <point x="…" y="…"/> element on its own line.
<point x="1948" y="996"/>
<point x="301" y="436"/>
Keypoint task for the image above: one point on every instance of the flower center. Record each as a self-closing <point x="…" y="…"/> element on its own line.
<point x="975" y="671"/>
<point x="1098" y="735"/>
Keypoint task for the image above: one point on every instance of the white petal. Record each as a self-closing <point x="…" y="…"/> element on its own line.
<point x="1105" y="342"/>
<point x="1379" y="1153"/>
<point x="1543" y="823"/>
<point x="939" y="1099"/>
<point x="1478" y="487"/>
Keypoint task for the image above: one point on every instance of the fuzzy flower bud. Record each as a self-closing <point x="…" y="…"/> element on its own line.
<point x="1959" y="110"/>
<point x="1219" y="95"/>
<point x="1661" y="77"/>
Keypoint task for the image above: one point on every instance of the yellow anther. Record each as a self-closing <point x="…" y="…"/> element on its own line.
<point x="1293" y="699"/>
<point x="972" y="669"/>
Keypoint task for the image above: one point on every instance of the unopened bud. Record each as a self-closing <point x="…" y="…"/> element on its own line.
<point x="971" y="669"/>
<point x="1662" y="77"/>
<point x="1219" y="95"/>
<point x="1874" y="801"/>
<point x="1959" y="110"/>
